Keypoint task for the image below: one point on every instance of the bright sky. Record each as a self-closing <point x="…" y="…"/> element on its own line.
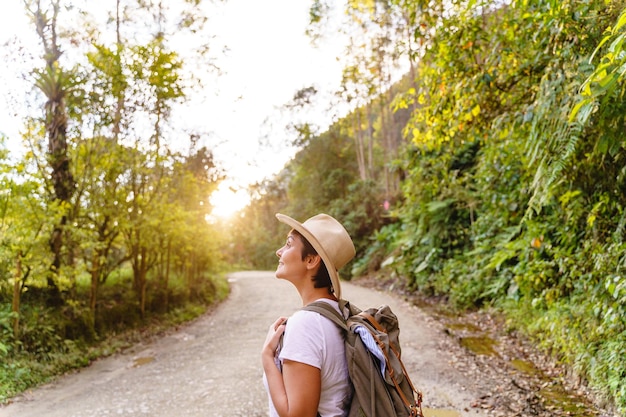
<point x="270" y="59"/>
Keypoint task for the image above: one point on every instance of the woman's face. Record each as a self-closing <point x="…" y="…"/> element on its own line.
<point x="290" y="260"/>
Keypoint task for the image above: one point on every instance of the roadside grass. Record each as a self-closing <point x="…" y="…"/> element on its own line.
<point x="54" y="342"/>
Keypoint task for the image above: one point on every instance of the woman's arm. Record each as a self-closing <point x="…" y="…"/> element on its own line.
<point x="296" y="391"/>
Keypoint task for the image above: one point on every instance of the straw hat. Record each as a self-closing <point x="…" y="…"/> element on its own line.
<point x="330" y="240"/>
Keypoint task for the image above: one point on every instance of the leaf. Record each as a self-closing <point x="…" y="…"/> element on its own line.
<point x="612" y="289"/>
<point x="536" y="242"/>
<point x="616" y="45"/>
<point x="582" y="109"/>
<point x="621" y="22"/>
<point x="576" y="109"/>
<point x="608" y="81"/>
<point x="421" y="267"/>
<point x="603" y="144"/>
<point x="585" y="112"/>
<point x="435" y="206"/>
<point x="569" y="196"/>
<point x="602" y="42"/>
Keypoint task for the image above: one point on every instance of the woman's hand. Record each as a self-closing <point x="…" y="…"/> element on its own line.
<point x="296" y="390"/>
<point x="273" y="336"/>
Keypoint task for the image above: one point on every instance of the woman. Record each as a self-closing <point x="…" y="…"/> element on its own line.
<point x="308" y="375"/>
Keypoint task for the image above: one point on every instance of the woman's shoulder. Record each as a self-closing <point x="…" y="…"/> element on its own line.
<point x="310" y="315"/>
<point x="303" y="316"/>
<point x="312" y="320"/>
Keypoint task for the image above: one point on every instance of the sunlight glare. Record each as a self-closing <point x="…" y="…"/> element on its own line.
<point x="227" y="200"/>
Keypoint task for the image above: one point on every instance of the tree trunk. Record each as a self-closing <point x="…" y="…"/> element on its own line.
<point x="142" y="281"/>
<point x="117" y="118"/>
<point x="370" y="143"/>
<point x="95" y="281"/>
<point x="358" y="140"/>
<point x="17" y="292"/>
<point x="167" y="274"/>
<point x="53" y="83"/>
<point x="62" y="179"/>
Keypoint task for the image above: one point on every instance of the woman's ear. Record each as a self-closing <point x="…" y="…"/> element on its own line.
<point x="313" y="262"/>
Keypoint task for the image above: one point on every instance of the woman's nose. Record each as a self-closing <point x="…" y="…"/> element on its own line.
<point x="278" y="252"/>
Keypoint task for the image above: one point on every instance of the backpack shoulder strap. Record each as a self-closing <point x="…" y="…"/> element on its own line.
<point x="329" y="312"/>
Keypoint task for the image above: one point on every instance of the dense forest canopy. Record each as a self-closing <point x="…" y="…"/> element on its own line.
<point x="490" y="174"/>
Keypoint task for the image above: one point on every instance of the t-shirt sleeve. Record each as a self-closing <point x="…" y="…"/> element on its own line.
<point x="304" y="340"/>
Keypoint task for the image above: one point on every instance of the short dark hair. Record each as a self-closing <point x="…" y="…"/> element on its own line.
<point x="322" y="278"/>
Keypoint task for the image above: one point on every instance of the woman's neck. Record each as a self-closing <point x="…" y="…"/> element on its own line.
<point x="315" y="294"/>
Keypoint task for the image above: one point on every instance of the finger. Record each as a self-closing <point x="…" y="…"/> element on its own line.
<point x="279" y="322"/>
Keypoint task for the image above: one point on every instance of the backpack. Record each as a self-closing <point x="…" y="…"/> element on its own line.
<point x="376" y="394"/>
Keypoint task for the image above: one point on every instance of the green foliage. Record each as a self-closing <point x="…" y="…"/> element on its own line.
<point x="513" y="190"/>
<point x="103" y="224"/>
<point x="379" y="252"/>
<point x="438" y="211"/>
<point x="6" y="332"/>
<point x="545" y="193"/>
<point x="321" y="173"/>
<point x="603" y="85"/>
<point x="54" y="341"/>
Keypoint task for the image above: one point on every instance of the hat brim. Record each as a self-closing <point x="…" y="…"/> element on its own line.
<point x="296" y="225"/>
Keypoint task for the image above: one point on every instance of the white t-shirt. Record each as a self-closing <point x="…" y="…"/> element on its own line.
<point x="314" y="340"/>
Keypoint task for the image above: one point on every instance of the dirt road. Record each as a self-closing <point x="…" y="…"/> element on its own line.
<point x="211" y="367"/>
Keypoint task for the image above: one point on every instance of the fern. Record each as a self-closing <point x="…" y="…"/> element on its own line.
<point x="553" y="140"/>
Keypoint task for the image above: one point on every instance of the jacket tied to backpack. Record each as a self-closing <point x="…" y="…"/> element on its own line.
<point x="382" y="387"/>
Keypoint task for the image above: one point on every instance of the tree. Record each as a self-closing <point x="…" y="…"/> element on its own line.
<point x="24" y="225"/>
<point x="380" y="38"/>
<point x="55" y="83"/>
<point x="133" y="85"/>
